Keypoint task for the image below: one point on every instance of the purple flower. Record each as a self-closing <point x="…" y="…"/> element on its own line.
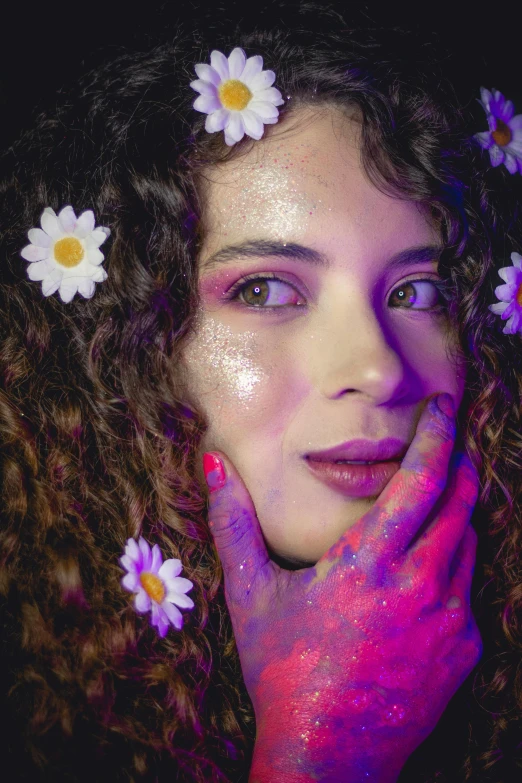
<point x="504" y="138"/>
<point x="510" y="295"/>
<point x="157" y="584"/>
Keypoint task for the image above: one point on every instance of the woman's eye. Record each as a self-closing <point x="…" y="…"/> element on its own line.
<point x="266" y="292"/>
<point x="418" y="295"/>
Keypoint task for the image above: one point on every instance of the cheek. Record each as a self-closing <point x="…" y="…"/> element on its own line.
<point x="231" y="378"/>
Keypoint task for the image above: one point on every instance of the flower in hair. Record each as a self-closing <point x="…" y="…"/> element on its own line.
<point x="510" y="296"/>
<point x="65" y="253"/>
<point x="157" y="585"/>
<point x="237" y="95"/>
<point x="503" y="140"/>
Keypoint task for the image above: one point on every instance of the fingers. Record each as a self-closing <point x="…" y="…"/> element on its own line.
<point x="437" y="547"/>
<point x="403" y="506"/>
<point x="234" y="527"/>
<point x="463" y="566"/>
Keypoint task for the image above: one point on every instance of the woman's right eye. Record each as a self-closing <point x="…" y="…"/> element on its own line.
<point x="265" y="292"/>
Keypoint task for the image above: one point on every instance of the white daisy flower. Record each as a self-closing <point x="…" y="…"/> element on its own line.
<point x="64" y="253"/>
<point x="157" y="585"/>
<point x="510" y="295"/>
<point x="237" y="95"/>
<point x="503" y="140"/>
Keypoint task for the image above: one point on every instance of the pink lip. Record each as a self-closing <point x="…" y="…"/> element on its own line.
<point x="371" y="451"/>
<point x="358" y="481"/>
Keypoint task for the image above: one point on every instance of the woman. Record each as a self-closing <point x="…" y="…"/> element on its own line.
<point x="266" y="301"/>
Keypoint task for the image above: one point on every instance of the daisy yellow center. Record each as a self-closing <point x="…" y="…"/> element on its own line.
<point x="234" y="95"/>
<point x="502" y="135"/>
<point x="153" y="586"/>
<point x="68" y="251"/>
<point x="519" y="295"/>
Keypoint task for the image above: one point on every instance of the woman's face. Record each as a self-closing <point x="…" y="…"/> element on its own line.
<point x="311" y="333"/>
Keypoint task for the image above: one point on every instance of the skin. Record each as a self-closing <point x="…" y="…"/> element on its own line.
<point x="350" y="662"/>
<point x="336" y="361"/>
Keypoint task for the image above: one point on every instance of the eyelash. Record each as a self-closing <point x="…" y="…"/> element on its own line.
<point x="442" y="287"/>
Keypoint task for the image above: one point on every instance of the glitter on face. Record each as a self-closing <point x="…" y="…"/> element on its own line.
<point x="273" y="196"/>
<point x="227" y="359"/>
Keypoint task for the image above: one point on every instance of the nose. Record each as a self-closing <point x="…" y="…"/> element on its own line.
<point x="359" y="355"/>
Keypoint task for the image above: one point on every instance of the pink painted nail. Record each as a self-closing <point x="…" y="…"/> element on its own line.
<point x="214" y="471"/>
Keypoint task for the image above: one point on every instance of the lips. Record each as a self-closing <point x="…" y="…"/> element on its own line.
<point x="362" y="451"/>
<point x="358" y="480"/>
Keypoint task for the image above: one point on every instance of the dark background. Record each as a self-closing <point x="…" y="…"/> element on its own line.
<point x="50" y="44"/>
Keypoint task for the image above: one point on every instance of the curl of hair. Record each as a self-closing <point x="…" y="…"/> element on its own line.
<point x="98" y="442"/>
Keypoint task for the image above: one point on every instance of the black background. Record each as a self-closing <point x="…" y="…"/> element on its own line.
<point x="50" y="44"/>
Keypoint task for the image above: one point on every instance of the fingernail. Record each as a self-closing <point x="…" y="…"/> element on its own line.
<point x="214" y="471"/>
<point x="446" y="404"/>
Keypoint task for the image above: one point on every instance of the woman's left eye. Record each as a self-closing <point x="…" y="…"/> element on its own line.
<point x="265" y="292"/>
<point x="429" y="293"/>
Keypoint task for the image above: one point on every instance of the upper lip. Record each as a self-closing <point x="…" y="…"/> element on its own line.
<point x="364" y="450"/>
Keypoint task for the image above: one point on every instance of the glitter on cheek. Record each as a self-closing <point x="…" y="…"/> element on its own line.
<point x="220" y="361"/>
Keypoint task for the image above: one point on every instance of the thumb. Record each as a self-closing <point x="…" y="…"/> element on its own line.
<point x="234" y="526"/>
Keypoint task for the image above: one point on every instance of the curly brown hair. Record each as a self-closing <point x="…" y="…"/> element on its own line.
<point x="98" y="442"/>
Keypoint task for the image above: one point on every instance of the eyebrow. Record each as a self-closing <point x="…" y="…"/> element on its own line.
<point x="260" y="248"/>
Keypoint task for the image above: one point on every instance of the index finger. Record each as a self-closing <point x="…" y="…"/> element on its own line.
<point x="404" y="504"/>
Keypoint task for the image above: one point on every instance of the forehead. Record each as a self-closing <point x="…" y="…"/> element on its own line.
<point x="298" y="182"/>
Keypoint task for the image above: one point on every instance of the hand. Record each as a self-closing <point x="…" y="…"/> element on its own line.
<point x="351" y="663"/>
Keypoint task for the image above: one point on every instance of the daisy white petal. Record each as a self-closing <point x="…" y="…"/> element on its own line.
<point x="50" y="223"/>
<point x="516" y="260"/>
<point x="265" y="110"/>
<point x="207" y="103"/>
<point x="207" y="73"/>
<point x="51" y="283"/>
<point x="159" y="619"/>
<point x="513" y="324"/>
<point x="128" y="563"/>
<point x="68" y="288"/>
<point x="179" y="585"/>
<point x="39" y="270"/>
<point x="509" y="274"/>
<point x="516" y="124"/>
<point x="170" y="569"/>
<point x="157" y="559"/>
<point x="236" y="63"/>
<point x="205" y="88"/>
<point x="132" y="550"/>
<point x="86" y="287"/>
<point x="219" y="62"/>
<point x="510" y="162"/>
<point x="485" y="97"/>
<point x="67" y="219"/>
<point x="498" y="308"/>
<point x="271" y="94"/>
<point x="254" y="66"/>
<point x="508" y="311"/>
<point x="173" y="614"/>
<point x="505" y="292"/>
<point x="235" y="128"/>
<point x="98" y="274"/>
<point x="34" y="253"/>
<point x="217" y="121"/>
<point x="95" y="256"/>
<point x="181" y="600"/>
<point x="496" y="155"/>
<point x="145" y="553"/>
<point x="39" y="237"/>
<point x="142" y="601"/>
<point x="253" y="124"/>
<point x="485" y="139"/>
<point x="84" y="224"/>
<point x="131" y="582"/>
<point x="262" y="80"/>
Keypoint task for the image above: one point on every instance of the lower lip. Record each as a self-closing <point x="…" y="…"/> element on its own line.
<point x="356" y="481"/>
